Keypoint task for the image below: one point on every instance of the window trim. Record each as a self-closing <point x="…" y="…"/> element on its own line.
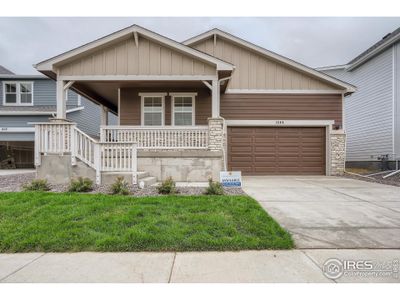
<point x="183" y="94"/>
<point x="18" y="93"/>
<point x="144" y="95"/>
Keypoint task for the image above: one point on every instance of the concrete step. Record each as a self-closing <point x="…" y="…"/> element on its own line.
<point x="147" y="181"/>
<point x="141" y="175"/>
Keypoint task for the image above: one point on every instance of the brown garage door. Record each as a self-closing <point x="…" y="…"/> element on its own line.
<point x="276" y="150"/>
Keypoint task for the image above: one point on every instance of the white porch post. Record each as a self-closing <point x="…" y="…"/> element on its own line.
<point x="215" y="99"/>
<point x="61" y="103"/>
<point x="104" y="115"/>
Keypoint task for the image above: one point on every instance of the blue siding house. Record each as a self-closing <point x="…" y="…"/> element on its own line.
<point x="26" y="99"/>
<point x="372" y="113"/>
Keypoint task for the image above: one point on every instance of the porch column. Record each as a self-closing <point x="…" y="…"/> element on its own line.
<point x="61" y="103"/>
<point x="215" y="99"/>
<point x="103" y="115"/>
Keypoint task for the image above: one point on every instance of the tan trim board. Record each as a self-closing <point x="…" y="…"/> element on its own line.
<point x="280" y="123"/>
<point x="137" y="77"/>
<point x="262" y="91"/>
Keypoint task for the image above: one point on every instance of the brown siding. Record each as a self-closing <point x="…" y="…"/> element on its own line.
<point x="257" y="71"/>
<point x="130" y="105"/>
<point x="281" y="107"/>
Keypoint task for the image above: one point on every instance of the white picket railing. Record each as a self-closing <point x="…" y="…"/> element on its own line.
<point x="168" y="137"/>
<point x="118" y="157"/>
<point x="62" y="138"/>
<point x="83" y="147"/>
<point x="53" y="137"/>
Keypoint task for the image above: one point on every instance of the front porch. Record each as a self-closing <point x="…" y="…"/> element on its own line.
<point x="186" y="153"/>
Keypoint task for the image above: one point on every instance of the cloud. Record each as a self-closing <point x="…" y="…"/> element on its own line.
<point x="311" y="41"/>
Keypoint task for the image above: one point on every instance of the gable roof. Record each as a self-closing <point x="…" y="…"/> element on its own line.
<point x="385" y="42"/>
<point x="388" y="40"/>
<point x="4" y="71"/>
<point x="217" y="32"/>
<point x="47" y="65"/>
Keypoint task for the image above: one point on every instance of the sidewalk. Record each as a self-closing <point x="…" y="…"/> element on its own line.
<point x="243" y="266"/>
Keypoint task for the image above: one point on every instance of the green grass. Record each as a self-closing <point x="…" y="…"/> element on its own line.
<point x="40" y="221"/>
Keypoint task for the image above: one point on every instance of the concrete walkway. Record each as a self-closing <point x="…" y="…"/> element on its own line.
<point x="243" y="266"/>
<point x="331" y="212"/>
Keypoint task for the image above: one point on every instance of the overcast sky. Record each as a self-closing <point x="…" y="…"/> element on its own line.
<point x="311" y="41"/>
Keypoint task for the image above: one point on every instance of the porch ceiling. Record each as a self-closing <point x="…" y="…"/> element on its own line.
<point x="106" y="92"/>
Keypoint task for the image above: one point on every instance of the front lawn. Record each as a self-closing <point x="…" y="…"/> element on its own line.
<point x="33" y="221"/>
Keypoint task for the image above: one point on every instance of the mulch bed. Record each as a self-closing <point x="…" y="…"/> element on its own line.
<point x="14" y="183"/>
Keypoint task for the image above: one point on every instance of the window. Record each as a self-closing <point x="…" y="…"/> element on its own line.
<point x="152" y="109"/>
<point x="18" y="93"/>
<point x="183" y="109"/>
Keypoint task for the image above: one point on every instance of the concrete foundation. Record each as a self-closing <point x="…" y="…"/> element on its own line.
<point x="57" y="169"/>
<point x="373" y="165"/>
<point x="186" y="166"/>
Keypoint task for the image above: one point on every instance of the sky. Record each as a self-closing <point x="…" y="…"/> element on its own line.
<point x="313" y="41"/>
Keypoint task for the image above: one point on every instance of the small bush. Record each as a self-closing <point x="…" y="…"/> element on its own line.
<point x="214" y="188"/>
<point x="80" y="185"/>
<point x="37" y="185"/>
<point x="120" y="186"/>
<point x="167" y="187"/>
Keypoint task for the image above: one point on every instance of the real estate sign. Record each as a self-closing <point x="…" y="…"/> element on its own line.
<point x="231" y="179"/>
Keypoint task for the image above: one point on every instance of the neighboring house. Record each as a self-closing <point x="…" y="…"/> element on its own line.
<point x="372" y="113"/>
<point x="190" y="110"/>
<point x="26" y="99"/>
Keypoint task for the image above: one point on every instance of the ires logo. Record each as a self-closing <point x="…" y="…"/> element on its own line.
<point x="335" y="268"/>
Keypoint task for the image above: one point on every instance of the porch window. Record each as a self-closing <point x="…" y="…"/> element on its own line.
<point x="152" y="109"/>
<point x="18" y="93"/>
<point x="183" y="109"/>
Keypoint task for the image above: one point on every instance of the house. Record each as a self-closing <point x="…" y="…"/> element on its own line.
<point x="26" y="99"/>
<point x="372" y="113"/>
<point x="190" y="110"/>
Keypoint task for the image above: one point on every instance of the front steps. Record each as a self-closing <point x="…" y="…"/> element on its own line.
<point x="146" y="179"/>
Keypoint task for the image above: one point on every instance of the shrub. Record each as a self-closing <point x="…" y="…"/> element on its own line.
<point x="167" y="186"/>
<point x="37" y="185"/>
<point x="80" y="185"/>
<point x="214" y="188"/>
<point x="120" y="186"/>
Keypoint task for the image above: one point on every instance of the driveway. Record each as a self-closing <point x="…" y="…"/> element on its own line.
<point x="331" y="212"/>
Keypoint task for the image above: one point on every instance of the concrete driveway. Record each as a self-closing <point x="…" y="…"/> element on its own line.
<point x="331" y="212"/>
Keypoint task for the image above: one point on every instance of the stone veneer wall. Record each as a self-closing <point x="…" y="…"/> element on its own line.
<point x="215" y="134"/>
<point x="338" y="152"/>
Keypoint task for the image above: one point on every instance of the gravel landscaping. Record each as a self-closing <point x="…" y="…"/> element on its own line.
<point x="14" y="183"/>
<point x="392" y="180"/>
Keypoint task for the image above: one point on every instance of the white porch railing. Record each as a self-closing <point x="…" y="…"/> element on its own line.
<point x="53" y="137"/>
<point x="66" y="138"/>
<point x="168" y="137"/>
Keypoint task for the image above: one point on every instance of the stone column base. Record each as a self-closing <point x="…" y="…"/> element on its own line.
<point x="337" y="152"/>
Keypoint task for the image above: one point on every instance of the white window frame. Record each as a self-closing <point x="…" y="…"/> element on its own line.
<point x="144" y="95"/>
<point x="191" y="95"/>
<point x="18" y="93"/>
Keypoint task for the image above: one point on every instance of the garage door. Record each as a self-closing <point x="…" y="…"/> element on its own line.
<point x="277" y="150"/>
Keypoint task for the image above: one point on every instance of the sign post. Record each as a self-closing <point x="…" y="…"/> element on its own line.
<point x="231" y="179"/>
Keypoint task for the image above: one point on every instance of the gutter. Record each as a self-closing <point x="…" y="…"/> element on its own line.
<point x="37" y="113"/>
